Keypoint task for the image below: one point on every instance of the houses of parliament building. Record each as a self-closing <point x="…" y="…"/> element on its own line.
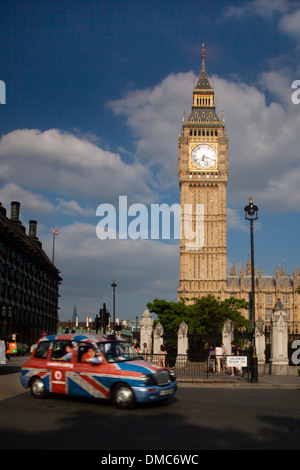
<point x="203" y="176"/>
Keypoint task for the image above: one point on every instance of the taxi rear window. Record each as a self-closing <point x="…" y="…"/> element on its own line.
<point x="41" y="351"/>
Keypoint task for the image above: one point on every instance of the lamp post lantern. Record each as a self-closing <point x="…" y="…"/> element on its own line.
<point x="251" y="215"/>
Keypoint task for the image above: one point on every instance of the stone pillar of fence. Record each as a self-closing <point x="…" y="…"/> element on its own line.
<point x="158" y="338"/>
<point x="183" y="342"/>
<point x="146" y="325"/>
<point x="279" y="361"/>
<point x="260" y="344"/>
<point x="227" y="336"/>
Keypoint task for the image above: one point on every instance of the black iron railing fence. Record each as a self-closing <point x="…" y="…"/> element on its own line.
<point x="199" y="365"/>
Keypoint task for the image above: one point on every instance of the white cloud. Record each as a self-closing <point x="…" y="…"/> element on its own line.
<point x="290" y="24"/>
<point x="154" y="116"/>
<point x="65" y="164"/>
<point x="263" y="148"/>
<point x="264" y="163"/>
<point x="89" y="266"/>
<point x="282" y="193"/>
<point x="262" y="8"/>
<point x="235" y="220"/>
<point x="263" y="141"/>
<point x="263" y="132"/>
<point x="73" y="208"/>
<point x="288" y="12"/>
<point x="37" y="204"/>
<point x="30" y="202"/>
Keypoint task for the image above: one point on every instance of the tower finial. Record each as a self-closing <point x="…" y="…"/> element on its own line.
<point x="203" y="52"/>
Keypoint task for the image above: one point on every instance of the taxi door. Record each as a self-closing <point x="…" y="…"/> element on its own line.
<point x="61" y="366"/>
<point x="58" y="380"/>
<point x="90" y="378"/>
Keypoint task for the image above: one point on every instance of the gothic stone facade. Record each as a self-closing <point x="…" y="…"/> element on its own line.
<point x="203" y="176"/>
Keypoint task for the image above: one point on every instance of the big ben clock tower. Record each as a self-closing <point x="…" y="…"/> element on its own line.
<point x="203" y="175"/>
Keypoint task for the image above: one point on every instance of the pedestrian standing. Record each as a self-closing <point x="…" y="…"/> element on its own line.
<point x="212" y="359"/>
<point x="224" y="354"/>
<point x="2" y="352"/>
<point x="234" y="352"/>
<point x="219" y="355"/>
<point x="162" y="356"/>
<point x="145" y="350"/>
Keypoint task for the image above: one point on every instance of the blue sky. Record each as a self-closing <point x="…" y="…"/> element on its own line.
<point x="95" y="94"/>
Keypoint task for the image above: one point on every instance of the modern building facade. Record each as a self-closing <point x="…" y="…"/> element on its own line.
<point x="29" y="281"/>
<point x="203" y="175"/>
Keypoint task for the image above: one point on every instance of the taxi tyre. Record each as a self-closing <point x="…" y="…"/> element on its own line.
<point x="37" y="388"/>
<point x="123" y="397"/>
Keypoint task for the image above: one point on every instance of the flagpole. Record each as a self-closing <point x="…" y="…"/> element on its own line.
<point x="54" y="232"/>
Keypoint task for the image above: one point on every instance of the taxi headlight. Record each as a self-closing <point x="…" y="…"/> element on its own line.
<point x="148" y="379"/>
<point x="145" y="379"/>
<point x="172" y="375"/>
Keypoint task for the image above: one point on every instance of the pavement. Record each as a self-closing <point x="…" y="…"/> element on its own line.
<point x="212" y="381"/>
<point x="263" y="382"/>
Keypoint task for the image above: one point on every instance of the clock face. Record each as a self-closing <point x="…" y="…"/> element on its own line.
<point x="204" y="156"/>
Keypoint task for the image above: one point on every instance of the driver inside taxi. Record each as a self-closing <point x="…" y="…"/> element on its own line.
<point x="69" y="353"/>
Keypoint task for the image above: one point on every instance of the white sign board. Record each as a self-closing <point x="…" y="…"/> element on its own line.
<point x="236" y="361"/>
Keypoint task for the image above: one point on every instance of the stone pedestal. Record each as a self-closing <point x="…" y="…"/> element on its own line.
<point x="260" y="345"/>
<point x="227" y="336"/>
<point x="182" y="344"/>
<point x="279" y="361"/>
<point x="158" y="338"/>
<point x="146" y="325"/>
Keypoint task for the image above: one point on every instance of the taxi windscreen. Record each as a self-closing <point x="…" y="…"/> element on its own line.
<point x="116" y="351"/>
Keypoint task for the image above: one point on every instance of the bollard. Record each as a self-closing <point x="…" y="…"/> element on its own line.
<point x="254" y="367"/>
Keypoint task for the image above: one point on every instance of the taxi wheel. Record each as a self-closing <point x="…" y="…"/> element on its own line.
<point x="38" y="389"/>
<point x="123" y="397"/>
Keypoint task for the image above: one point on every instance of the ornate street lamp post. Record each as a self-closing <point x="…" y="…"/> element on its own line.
<point x="114" y="285"/>
<point x="251" y="215"/>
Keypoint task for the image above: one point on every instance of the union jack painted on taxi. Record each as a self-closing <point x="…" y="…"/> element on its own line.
<point x="98" y="366"/>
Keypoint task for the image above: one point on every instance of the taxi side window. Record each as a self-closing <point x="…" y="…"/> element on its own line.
<point x="62" y="350"/>
<point x="41" y="351"/>
<point x="86" y="352"/>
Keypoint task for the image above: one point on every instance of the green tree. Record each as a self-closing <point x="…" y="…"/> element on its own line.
<point x="204" y="315"/>
<point x="170" y="314"/>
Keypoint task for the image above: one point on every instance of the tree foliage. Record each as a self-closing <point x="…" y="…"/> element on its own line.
<point x="205" y="315"/>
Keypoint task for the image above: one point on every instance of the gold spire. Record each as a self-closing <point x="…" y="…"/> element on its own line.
<point x="203" y="53"/>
